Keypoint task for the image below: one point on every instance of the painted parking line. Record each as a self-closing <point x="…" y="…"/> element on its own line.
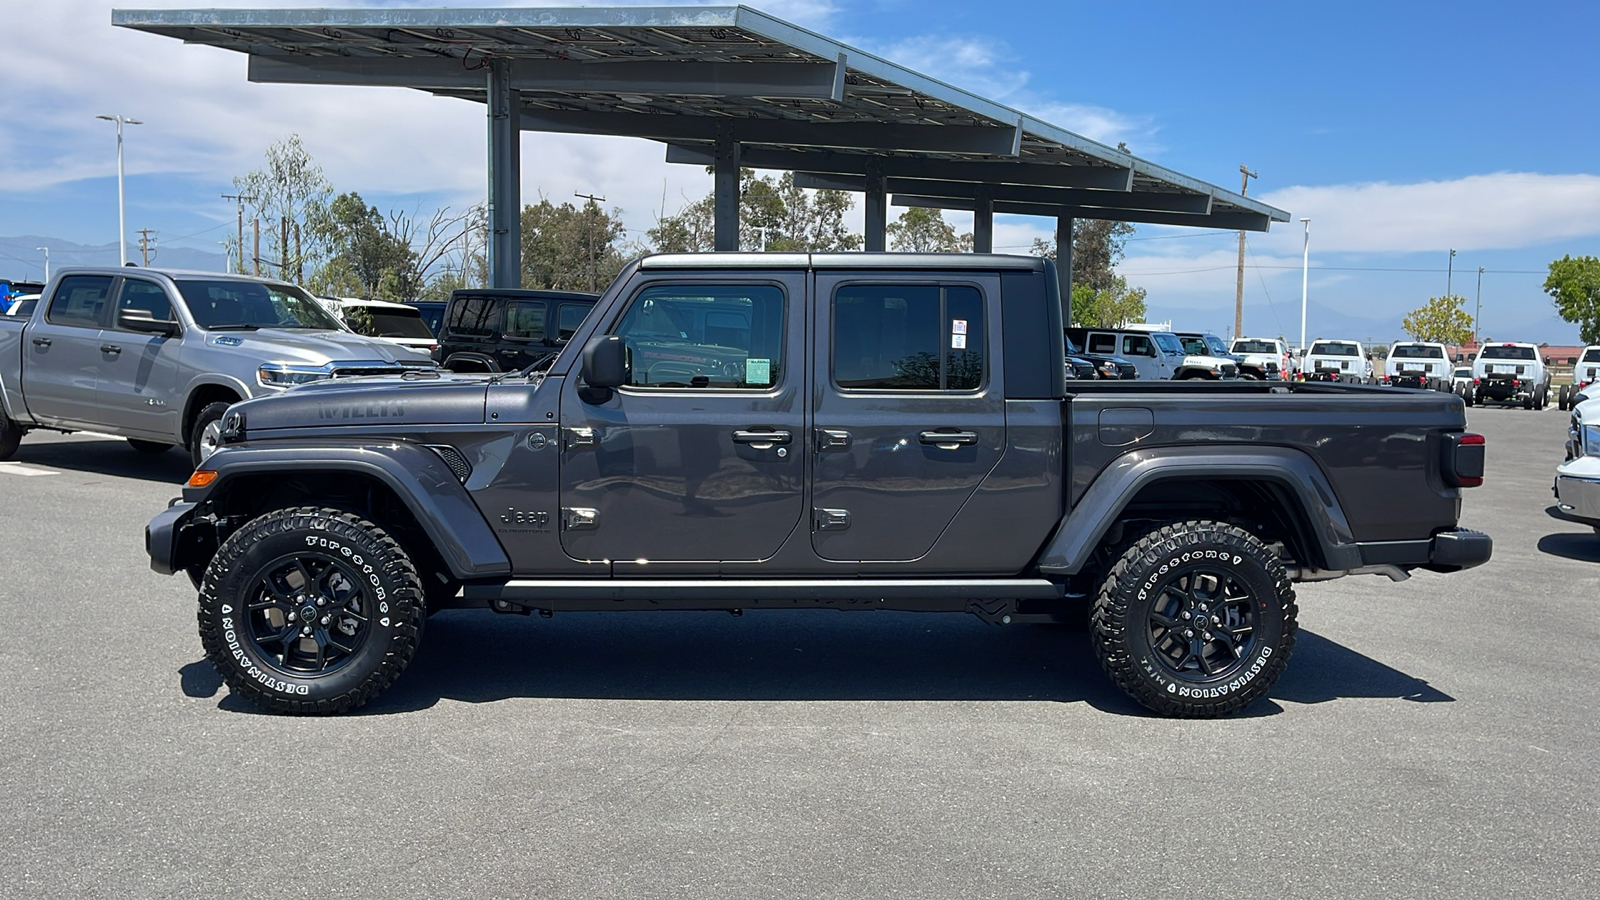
<point x="17" y="468"/>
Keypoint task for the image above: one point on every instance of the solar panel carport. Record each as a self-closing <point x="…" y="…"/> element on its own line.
<point x="724" y="87"/>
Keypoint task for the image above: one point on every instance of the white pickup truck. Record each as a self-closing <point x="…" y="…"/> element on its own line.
<point x="1511" y="373"/>
<point x="157" y="356"/>
<point x="1585" y="373"/>
<point x="1417" y="364"/>
<point x="1337" y="361"/>
<point x="1268" y="355"/>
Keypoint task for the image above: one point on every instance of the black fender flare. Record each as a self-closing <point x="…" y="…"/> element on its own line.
<point x="1086" y="525"/>
<point x="417" y="475"/>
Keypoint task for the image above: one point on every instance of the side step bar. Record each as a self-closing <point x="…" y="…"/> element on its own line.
<point x="920" y="594"/>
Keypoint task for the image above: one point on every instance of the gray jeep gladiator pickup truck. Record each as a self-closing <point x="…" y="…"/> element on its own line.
<point x="845" y="431"/>
<point x="156" y="356"/>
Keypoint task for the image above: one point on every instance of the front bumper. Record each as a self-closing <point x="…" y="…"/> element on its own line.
<point x="161" y="537"/>
<point x="1578" y="498"/>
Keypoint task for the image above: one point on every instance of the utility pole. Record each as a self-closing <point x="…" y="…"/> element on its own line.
<point x="144" y="246"/>
<point x="591" y="209"/>
<point x="1479" y="310"/>
<point x="240" y="199"/>
<point x="1449" y="271"/>
<point x="1238" y="290"/>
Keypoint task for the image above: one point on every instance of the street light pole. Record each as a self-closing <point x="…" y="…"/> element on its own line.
<point x="122" y="221"/>
<point x="1476" y="313"/>
<point x="1305" y="276"/>
<point x="1449" y="270"/>
<point x="46" y="261"/>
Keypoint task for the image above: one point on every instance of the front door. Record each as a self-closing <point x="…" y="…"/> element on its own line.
<point x="61" y="353"/>
<point x="1141" y="351"/>
<point x="910" y="410"/>
<point x="138" y="385"/>
<point x="700" y="457"/>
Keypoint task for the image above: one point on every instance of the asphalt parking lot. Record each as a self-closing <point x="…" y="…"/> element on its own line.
<point x="1431" y="738"/>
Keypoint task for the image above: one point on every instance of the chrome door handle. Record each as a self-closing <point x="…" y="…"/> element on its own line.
<point x="761" y="440"/>
<point x="41" y="342"/>
<point x="110" y="348"/>
<point x="948" y="440"/>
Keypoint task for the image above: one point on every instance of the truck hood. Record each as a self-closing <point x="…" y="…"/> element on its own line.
<point x="293" y="345"/>
<point x="378" y="400"/>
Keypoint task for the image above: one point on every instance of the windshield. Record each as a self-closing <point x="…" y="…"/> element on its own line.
<point x="386" y="322"/>
<point x="1335" y="348"/>
<point x="1463" y="373"/>
<point x="1507" y="353"/>
<point x="252" y="304"/>
<point x="1416" y="351"/>
<point x="1255" y="347"/>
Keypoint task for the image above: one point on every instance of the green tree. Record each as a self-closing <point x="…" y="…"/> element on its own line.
<point x="1110" y="307"/>
<point x="286" y="192"/>
<point x="570" y="248"/>
<point x="361" y="250"/>
<point x="920" y="230"/>
<point x="1442" y="320"/>
<point x="774" y="214"/>
<point x="1574" y="284"/>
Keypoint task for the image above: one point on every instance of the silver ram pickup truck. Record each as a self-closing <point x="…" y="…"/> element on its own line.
<point x="157" y="356"/>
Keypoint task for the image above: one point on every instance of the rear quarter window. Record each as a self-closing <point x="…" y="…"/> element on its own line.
<point x="472" y="316"/>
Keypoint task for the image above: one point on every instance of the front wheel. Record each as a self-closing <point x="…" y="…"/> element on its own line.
<point x="310" y="610"/>
<point x="205" y="435"/>
<point x="1195" y="620"/>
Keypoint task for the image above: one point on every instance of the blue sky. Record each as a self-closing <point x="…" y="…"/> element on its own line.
<point x="1401" y="129"/>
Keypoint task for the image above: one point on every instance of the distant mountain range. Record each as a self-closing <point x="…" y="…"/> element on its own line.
<point x="21" y="260"/>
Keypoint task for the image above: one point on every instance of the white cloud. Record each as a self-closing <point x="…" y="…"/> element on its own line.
<point x="1502" y="210"/>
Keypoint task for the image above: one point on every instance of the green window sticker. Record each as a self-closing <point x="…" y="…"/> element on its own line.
<point x="758" y="371"/>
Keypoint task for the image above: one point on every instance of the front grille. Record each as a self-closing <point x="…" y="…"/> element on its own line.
<point x="455" y="459"/>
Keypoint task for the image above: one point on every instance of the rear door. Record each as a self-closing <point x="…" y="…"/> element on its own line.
<point x="699" y="459"/>
<point x="138" y="387"/>
<point x="61" y="353"/>
<point x="910" y="412"/>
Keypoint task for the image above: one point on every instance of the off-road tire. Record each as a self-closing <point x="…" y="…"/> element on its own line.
<point x="1563" y="397"/>
<point x="200" y="446"/>
<point x="1527" y="402"/>
<point x="238" y="614"/>
<point x="1161" y="576"/>
<point x="10" y="436"/>
<point x="148" y="446"/>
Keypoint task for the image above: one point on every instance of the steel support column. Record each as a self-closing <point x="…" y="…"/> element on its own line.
<point x="983" y="220"/>
<point x="725" y="182"/>
<point x="876" y="208"/>
<point x="505" y="179"/>
<point x="1064" y="266"/>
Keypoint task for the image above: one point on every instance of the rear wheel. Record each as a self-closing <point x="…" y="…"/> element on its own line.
<point x="148" y="446"/>
<point x="310" y="610"/>
<point x="1527" y="402"/>
<point x="10" y="436"/>
<point x="1563" y="396"/>
<point x="1195" y="619"/>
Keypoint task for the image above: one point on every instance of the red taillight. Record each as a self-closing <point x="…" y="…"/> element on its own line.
<point x="1465" y="467"/>
<point x="1474" y="381"/>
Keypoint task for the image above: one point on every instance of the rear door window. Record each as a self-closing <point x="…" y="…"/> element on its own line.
<point x="908" y="338"/>
<point x="79" y="301"/>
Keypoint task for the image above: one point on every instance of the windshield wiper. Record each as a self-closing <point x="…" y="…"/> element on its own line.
<point x="235" y="326"/>
<point x="543" y="362"/>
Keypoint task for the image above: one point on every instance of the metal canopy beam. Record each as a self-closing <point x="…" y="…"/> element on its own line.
<point x="1234" y="221"/>
<point x="993" y="141"/>
<point x="797" y="81"/>
<point x="1199" y="204"/>
<point x="1111" y="178"/>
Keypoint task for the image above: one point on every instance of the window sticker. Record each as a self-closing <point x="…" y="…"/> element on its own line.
<point x="958" y="342"/>
<point x="958" y="326"/>
<point x="758" y="371"/>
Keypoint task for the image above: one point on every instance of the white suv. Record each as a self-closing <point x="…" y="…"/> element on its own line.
<point x="1337" y="361"/>
<point x="1511" y="373"/>
<point x="1417" y="364"/>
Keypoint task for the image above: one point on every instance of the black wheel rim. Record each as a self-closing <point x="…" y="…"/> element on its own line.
<point x="1202" y="623"/>
<point x="308" y="615"/>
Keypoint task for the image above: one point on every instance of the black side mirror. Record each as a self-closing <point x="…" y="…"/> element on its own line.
<point x="142" y="320"/>
<point x="605" y="362"/>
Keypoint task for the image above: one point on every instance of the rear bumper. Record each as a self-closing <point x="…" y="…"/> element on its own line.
<point x="1447" y="551"/>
